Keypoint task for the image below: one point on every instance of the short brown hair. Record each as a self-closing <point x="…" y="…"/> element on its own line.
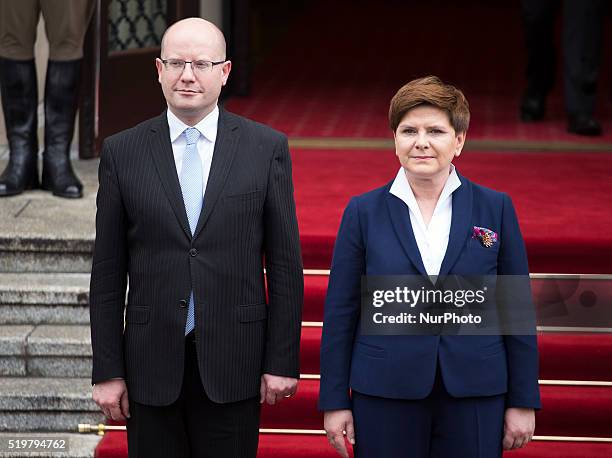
<point x="430" y="90"/>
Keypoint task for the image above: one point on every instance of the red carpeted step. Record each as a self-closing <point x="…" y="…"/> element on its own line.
<point x="295" y="446"/>
<point x="555" y="241"/>
<point x="300" y="446"/>
<point x="297" y="412"/>
<point x="315" y="289"/>
<point x="575" y="411"/>
<point x="309" y="350"/>
<point x="558" y="449"/>
<point x="114" y="445"/>
<point x="563" y="356"/>
<point x="567" y="411"/>
<point x="575" y="356"/>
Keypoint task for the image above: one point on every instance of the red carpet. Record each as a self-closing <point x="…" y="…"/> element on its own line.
<point x="301" y="446"/>
<point x="562" y="200"/>
<point x="338" y="81"/>
<point x="574" y="356"/>
<point x="310" y="114"/>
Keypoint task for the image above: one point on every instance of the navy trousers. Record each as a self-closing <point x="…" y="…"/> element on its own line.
<point x="438" y="426"/>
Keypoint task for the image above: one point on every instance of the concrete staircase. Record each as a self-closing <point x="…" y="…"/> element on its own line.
<point x="45" y="345"/>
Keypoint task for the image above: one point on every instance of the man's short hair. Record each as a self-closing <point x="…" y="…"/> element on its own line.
<point x="431" y="91"/>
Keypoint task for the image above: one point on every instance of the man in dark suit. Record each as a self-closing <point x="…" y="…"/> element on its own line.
<point x="192" y="205"/>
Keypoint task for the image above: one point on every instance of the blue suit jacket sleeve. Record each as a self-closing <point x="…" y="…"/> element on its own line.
<point x="342" y="308"/>
<point x="521" y="350"/>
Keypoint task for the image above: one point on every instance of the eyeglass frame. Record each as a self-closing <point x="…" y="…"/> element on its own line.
<point x="191" y="62"/>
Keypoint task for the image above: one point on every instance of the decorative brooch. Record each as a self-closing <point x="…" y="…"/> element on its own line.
<point x="487" y="237"/>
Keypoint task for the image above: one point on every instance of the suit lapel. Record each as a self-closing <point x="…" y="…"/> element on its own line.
<point x="161" y="150"/>
<point x="460" y="225"/>
<point x="400" y="219"/>
<point x="223" y="156"/>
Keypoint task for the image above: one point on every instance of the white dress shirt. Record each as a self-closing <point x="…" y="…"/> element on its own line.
<point x="432" y="239"/>
<point x="206" y="142"/>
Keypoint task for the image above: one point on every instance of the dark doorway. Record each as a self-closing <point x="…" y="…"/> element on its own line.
<point x="120" y="82"/>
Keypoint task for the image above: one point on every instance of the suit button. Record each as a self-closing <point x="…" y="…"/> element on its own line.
<point x="193" y="252"/>
<point x="182" y="303"/>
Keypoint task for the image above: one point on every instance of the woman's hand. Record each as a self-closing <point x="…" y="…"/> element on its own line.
<point x="336" y="422"/>
<point x="519" y="425"/>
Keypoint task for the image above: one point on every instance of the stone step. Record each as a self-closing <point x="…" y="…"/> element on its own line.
<point x="46" y="404"/>
<point x="45" y="254"/>
<point x="44" y="298"/>
<point x="41" y="233"/>
<point x="77" y="445"/>
<point x="45" y="350"/>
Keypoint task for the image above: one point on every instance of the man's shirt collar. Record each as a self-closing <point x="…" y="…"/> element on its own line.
<point x="207" y="126"/>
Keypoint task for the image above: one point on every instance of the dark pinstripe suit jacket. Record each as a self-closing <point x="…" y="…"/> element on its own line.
<point x="248" y="220"/>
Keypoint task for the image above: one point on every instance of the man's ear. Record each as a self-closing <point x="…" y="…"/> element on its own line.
<point x="158" y="64"/>
<point x="227" y="68"/>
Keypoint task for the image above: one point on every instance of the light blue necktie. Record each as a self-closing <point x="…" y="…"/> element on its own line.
<point x="191" y="186"/>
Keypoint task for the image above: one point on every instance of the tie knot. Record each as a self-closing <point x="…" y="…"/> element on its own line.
<point x="192" y="135"/>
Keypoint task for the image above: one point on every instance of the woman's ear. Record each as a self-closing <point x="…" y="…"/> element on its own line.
<point x="459" y="142"/>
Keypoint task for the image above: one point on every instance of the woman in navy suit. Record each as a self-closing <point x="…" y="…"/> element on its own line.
<point x="426" y="396"/>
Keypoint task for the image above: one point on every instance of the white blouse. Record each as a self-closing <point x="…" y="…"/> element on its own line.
<point x="432" y="239"/>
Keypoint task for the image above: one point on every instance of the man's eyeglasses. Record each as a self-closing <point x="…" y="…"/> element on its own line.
<point x="178" y="65"/>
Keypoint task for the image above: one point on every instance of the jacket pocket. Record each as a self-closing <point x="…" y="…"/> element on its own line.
<point x="369" y="350"/>
<point x="252" y="312"/>
<point x="137" y="314"/>
<point x="246" y="195"/>
<point x="492" y="350"/>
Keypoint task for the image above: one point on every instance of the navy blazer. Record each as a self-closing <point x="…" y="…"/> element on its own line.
<point x="376" y="238"/>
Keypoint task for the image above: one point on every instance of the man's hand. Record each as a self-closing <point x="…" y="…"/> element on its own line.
<point x="112" y="397"/>
<point x="519" y="425"/>
<point x="274" y="388"/>
<point x="336" y="422"/>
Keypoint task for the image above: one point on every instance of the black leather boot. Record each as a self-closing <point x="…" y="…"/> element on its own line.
<point x="19" y="90"/>
<point x="61" y="99"/>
